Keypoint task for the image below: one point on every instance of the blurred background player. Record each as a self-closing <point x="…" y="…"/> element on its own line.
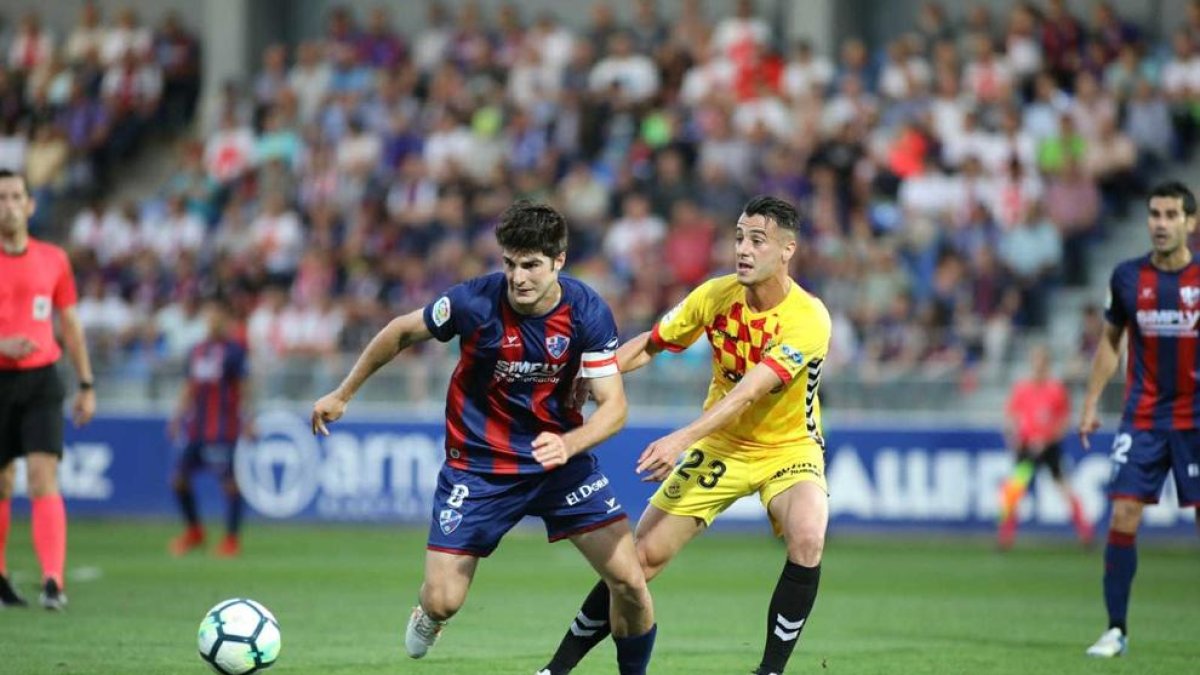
<point x="213" y="412"/>
<point x="1039" y="414"/>
<point x="515" y="445"/>
<point x="1155" y="298"/>
<point x="35" y="280"/>
<point x="760" y="430"/>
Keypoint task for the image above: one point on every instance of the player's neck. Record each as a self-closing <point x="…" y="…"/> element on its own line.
<point x="770" y="292"/>
<point x="543" y="306"/>
<point x="15" y="243"/>
<point x="1173" y="261"/>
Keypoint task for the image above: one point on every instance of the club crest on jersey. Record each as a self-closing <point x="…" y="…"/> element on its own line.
<point x="449" y="519"/>
<point x="557" y="345"/>
<point x="1190" y="295"/>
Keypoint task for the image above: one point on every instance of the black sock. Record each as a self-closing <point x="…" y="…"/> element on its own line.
<point x="589" y="628"/>
<point x="790" y="605"/>
<point x="233" y="513"/>
<point x="187" y="504"/>
<point x="633" y="652"/>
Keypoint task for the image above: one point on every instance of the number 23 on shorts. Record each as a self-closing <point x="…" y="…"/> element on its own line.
<point x="710" y="474"/>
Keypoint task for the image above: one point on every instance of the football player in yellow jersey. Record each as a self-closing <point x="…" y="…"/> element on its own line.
<point x="759" y="432"/>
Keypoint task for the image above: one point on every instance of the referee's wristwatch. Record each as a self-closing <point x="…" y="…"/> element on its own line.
<point x="86" y="385"/>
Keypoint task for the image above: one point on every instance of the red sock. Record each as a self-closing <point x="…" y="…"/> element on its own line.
<point x="5" y="519"/>
<point x="50" y="535"/>
<point x="1082" y="526"/>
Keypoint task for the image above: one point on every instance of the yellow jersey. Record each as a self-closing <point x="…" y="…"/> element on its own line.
<point x="792" y="338"/>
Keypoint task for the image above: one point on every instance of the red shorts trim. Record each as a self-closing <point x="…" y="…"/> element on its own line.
<point x="457" y="551"/>
<point x="589" y="528"/>
<point x="1133" y="498"/>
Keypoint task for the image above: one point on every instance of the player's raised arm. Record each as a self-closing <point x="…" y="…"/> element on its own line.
<point x="1104" y="364"/>
<point x="401" y="333"/>
<point x="659" y="457"/>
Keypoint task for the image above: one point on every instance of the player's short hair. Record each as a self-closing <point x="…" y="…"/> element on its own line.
<point x="1177" y="190"/>
<point x="9" y="173"/>
<point x="528" y="227"/>
<point x="774" y="208"/>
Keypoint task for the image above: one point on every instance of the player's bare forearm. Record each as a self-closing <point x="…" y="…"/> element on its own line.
<point x="612" y="409"/>
<point x="754" y="385"/>
<point x="636" y="353"/>
<point x="1104" y="365"/>
<point x="76" y="346"/>
<point x="401" y="333"/>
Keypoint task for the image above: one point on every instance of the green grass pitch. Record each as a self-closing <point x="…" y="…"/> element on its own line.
<point x="908" y="605"/>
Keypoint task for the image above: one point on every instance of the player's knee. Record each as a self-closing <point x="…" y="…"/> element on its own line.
<point x="652" y="560"/>
<point x="1126" y="515"/>
<point x="180" y="483"/>
<point x="629" y="591"/>
<point x="806" y="546"/>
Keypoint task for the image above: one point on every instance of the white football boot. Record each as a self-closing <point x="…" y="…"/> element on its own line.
<point x="422" y="632"/>
<point x="1112" y="643"/>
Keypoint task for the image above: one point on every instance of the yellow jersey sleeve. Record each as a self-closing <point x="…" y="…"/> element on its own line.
<point x="802" y="343"/>
<point x="679" y="328"/>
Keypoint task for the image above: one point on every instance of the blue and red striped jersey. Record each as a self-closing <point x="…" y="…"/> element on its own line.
<point x="514" y="372"/>
<point x="216" y="372"/>
<point x="1160" y="311"/>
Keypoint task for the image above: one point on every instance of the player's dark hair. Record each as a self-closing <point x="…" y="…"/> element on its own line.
<point x="1176" y="190"/>
<point x="527" y="228"/>
<point x="9" y="173"/>
<point x="773" y="208"/>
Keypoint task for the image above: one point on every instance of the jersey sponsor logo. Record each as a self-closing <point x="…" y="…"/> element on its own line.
<point x="527" y="371"/>
<point x="557" y="345"/>
<point x="1168" y="322"/>
<point x="1189" y="295"/>
<point x="674" y="490"/>
<point x="441" y="311"/>
<point x="611" y="345"/>
<point x="511" y="342"/>
<point x="41" y="308"/>
<point x="449" y="520"/>
<point x="584" y="492"/>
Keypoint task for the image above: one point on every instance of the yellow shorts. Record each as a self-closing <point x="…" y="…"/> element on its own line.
<point x="707" y="481"/>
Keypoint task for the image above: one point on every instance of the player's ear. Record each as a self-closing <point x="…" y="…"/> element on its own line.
<point x="559" y="261"/>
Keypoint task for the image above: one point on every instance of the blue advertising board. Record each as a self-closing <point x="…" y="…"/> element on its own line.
<point x="384" y="470"/>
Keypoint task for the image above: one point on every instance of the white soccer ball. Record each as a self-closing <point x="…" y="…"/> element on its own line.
<point x="239" y="636"/>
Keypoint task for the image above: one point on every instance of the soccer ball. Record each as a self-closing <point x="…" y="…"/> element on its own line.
<point x="239" y="636"/>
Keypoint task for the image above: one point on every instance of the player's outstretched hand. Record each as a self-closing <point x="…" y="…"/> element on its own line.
<point x="17" y="347"/>
<point x="658" y="459"/>
<point x="1088" y="425"/>
<point x="329" y="408"/>
<point x="550" y="450"/>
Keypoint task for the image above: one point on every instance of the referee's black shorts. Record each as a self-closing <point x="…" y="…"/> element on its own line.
<point x="1051" y="458"/>
<point x="31" y="412"/>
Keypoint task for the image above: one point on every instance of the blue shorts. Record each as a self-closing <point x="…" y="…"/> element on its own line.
<point x="473" y="511"/>
<point x="1141" y="460"/>
<point x="217" y="457"/>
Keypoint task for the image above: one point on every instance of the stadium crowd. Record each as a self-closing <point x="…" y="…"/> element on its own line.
<point x="949" y="179"/>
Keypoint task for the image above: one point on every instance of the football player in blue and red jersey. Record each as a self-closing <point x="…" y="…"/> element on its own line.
<point x="1155" y="299"/>
<point x="210" y="417"/>
<point x="515" y="444"/>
